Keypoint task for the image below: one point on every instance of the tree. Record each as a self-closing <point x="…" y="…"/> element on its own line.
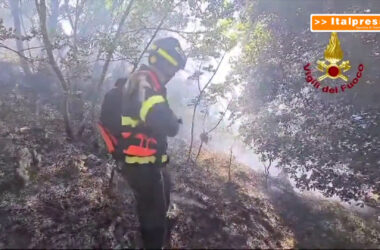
<point x="112" y="46"/>
<point x="41" y="10"/>
<point x="15" y="9"/>
<point x="226" y="37"/>
<point x="198" y="101"/>
<point x="325" y="143"/>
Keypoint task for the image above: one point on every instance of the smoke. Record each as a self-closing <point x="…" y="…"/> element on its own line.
<point x="180" y="92"/>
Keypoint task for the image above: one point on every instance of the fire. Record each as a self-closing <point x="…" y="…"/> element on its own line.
<point x="334" y="52"/>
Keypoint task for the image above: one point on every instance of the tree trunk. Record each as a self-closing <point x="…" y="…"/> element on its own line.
<point x="199" y="151"/>
<point x="53" y="18"/>
<point x="78" y="10"/>
<point x="15" y="9"/>
<point x="266" y="172"/>
<point x="74" y="23"/>
<point x="66" y="116"/>
<point x="27" y="42"/>
<point x="229" y="166"/>
<point x="41" y="10"/>
<point x="192" y="131"/>
<point x="110" y="52"/>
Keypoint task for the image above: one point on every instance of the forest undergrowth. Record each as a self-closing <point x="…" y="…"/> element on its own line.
<point x="56" y="193"/>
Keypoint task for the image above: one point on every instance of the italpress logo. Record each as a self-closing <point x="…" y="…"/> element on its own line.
<point x="345" y="22"/>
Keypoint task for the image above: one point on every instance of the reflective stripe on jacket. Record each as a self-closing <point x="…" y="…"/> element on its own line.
<point x="143" y="127"/>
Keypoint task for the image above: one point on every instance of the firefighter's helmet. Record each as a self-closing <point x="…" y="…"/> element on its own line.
<point x="167" y="55"/>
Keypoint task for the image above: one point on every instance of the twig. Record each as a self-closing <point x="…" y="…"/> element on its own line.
<point x="15" y="51"/>
<point x="197" y="103"/>
<point x="221" y="118"/>
<point x="167" y="29"/>
<point x="198" y="79"/>
<point x="148" y="44"/>
<point x="113" y="44"/>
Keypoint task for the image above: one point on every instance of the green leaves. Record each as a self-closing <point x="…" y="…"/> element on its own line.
<point x="256" y="41"/>
<point x="108" y="4"/>
<point x="324" y="143"/>
<point x="4" y="32"/>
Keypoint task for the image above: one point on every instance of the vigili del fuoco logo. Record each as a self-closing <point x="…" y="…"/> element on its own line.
<point x="333" y="68"/>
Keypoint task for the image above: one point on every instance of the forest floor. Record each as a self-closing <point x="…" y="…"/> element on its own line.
<point x="56" y="194"/>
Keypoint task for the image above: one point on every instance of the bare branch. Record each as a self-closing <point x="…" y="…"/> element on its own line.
<point x="221" y="118"/>
<point x="199" y="151"/>
<point x="216" y="125"/>
<point x="197" y="103"/>
<point x="198" y="78"/>
<point x="31" y="48"/>
<point x="68" y="14"/>
<point x="113" y="44"/>
<point x="213" y="75"/>
<point x="15" y="9"/>
<point x="15" y="51"/>
<point x="148" y="44"/>
<point x="167" y="29"/>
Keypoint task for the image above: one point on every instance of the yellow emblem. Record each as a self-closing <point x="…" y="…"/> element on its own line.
<point x="333" y="54"/>
<point x="153" y="59"/>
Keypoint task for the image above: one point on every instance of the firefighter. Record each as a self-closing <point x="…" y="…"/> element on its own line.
<point x="135" y="122"/>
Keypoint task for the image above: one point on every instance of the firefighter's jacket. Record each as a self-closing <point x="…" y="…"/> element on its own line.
<point x="136" y="120"/>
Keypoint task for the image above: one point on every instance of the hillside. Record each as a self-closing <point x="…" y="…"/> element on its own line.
<point x="56" y="194"/>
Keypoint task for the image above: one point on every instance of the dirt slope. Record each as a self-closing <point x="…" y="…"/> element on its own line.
<point x="56" y="194"/>
<point x="223" y="214"/>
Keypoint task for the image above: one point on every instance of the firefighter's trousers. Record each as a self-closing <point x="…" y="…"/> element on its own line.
<point x="151" y="186"/>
